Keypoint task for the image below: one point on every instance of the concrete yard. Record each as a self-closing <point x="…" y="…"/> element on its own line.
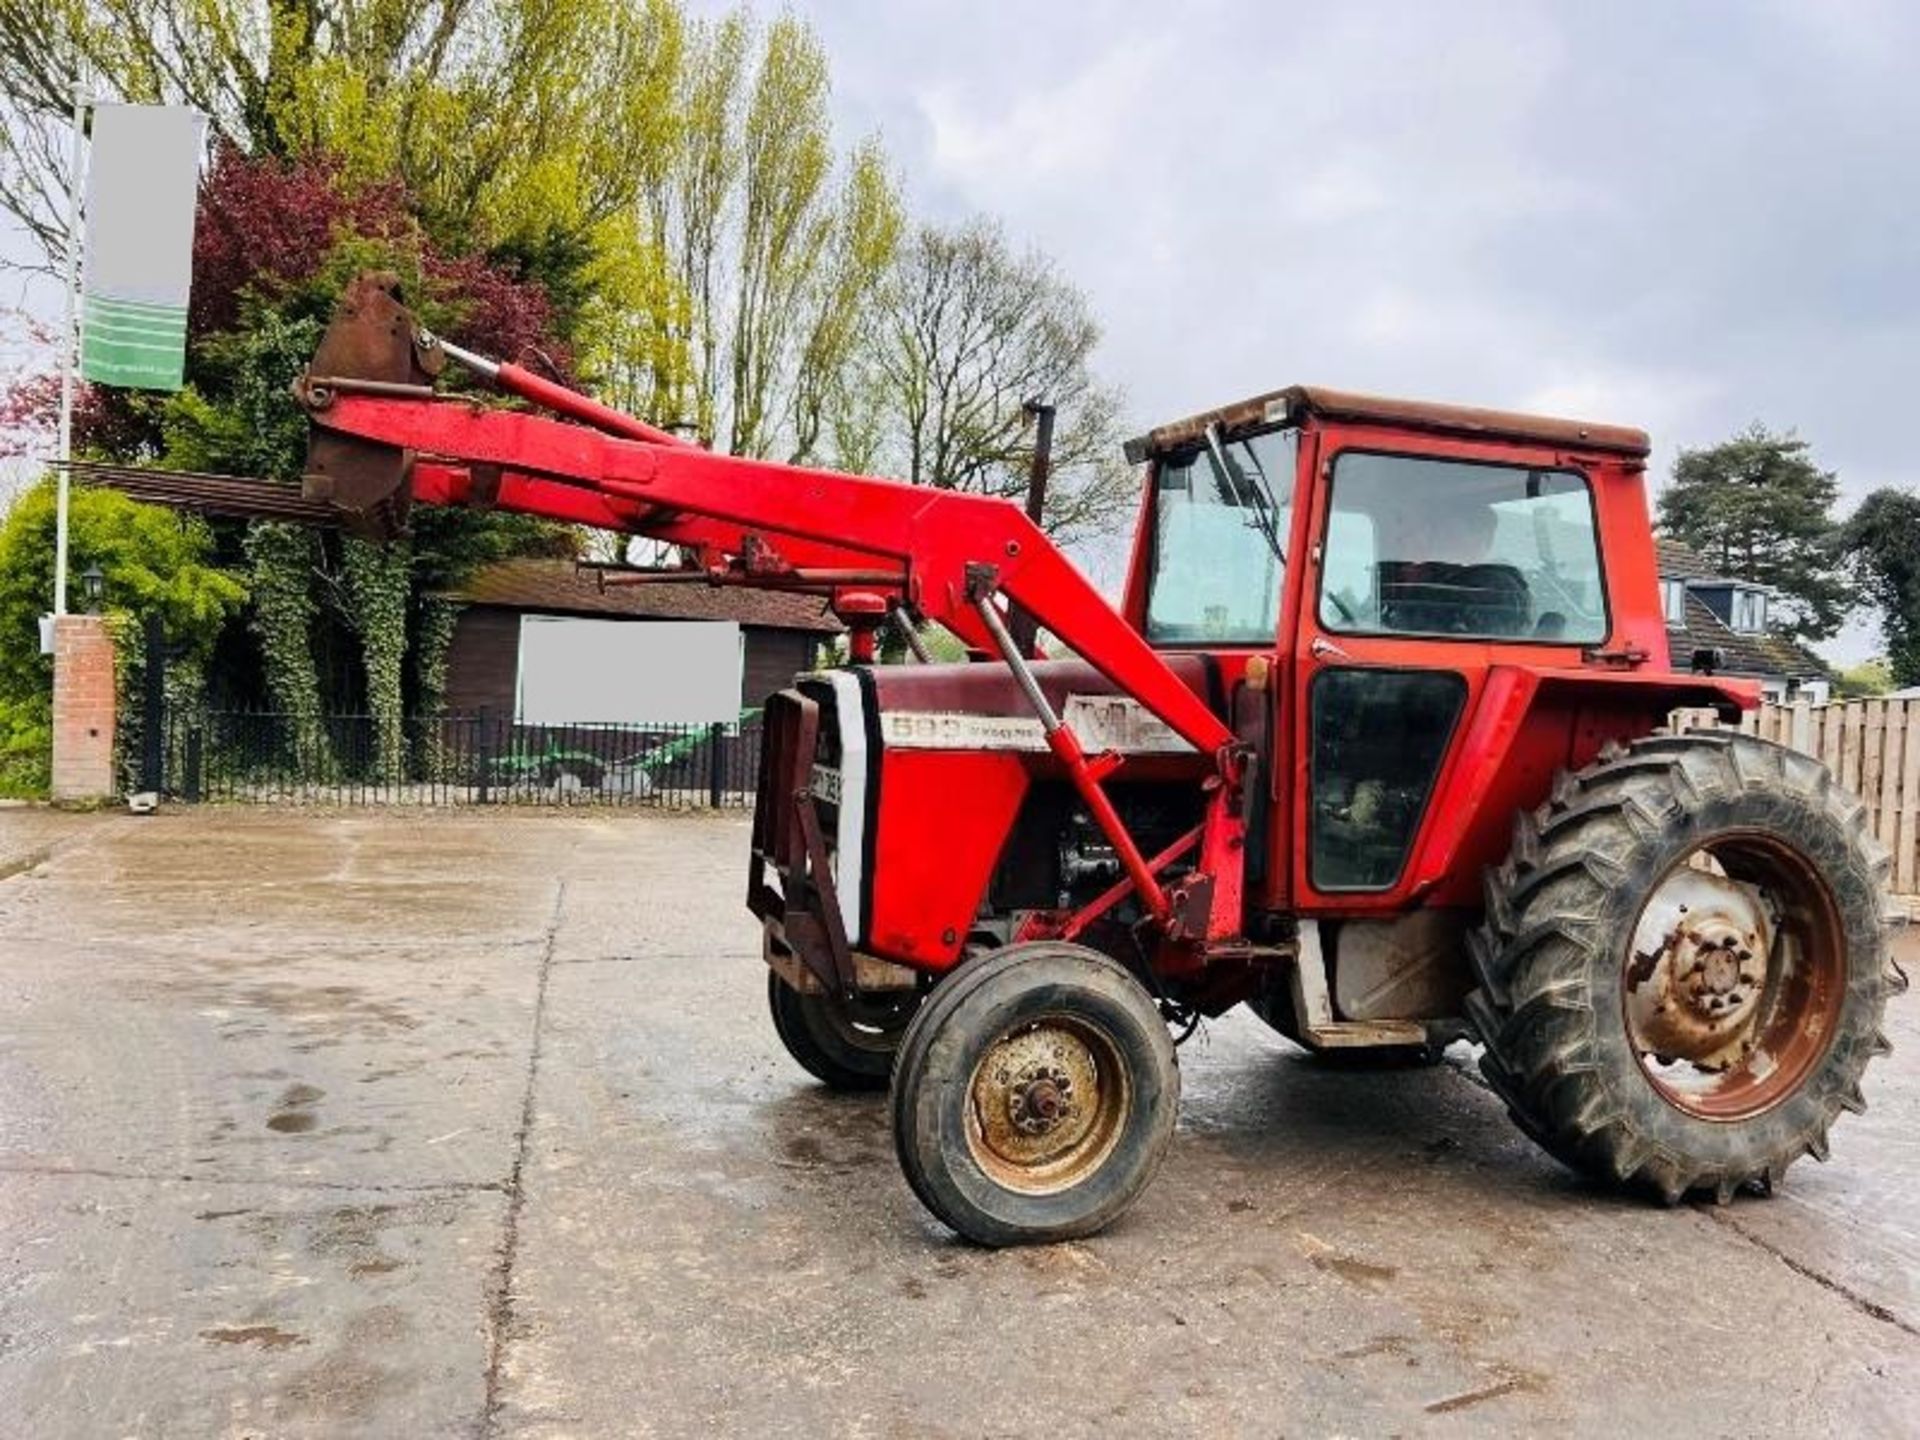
<point x="474" y="1124"/>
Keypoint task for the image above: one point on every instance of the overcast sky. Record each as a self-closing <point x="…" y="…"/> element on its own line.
<point x="1680" y="216"/>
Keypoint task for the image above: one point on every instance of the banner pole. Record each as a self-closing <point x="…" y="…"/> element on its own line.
<point x="69" y="340"/>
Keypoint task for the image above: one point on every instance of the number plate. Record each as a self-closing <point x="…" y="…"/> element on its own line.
<point x="825" y="784"/>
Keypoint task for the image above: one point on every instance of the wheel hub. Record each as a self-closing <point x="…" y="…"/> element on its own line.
<point x="1040" y="1099"/>
<point x="1698" y="970"/>
<point x="1047" y="1101"/>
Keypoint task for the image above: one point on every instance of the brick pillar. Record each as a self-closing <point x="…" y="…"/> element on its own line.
<point x="83" y="693"/>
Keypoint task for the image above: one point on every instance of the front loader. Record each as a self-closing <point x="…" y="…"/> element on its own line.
<point x="1375" y="743"/>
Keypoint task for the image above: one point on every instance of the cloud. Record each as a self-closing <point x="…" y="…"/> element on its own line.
<point x="1684" y="217"/>
<point x="1048" y="137"/>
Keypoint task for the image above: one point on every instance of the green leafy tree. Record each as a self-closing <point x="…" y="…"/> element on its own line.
<point x="687" y="209"/>
<point x="1865" y="680"/>
<point x="507" y="119"/>
<point x="774" y="246"/>
<point x="153" y="563"/>
<point x="1758" y="507"/>
<point x="281" y="562"/>
<point x="374" y="580"/>
<point x="1882" y="542"/>
<point x="837" y="383"/>
<point x="235" y="419"/>
<point x="787" y="160"/>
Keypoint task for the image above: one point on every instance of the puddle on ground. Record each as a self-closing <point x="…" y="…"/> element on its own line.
<point x="267" y="1337"/>
<point x="1361" y="1272"/>
<point x="295" y="1115"/>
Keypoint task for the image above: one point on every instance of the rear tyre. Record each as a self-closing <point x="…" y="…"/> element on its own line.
<point x="1683" y="967"/>
<point x="848" y="1047"/>
<point x="1035" y="1095"/>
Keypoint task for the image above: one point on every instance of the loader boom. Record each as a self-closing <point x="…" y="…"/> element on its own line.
<point x="385" y="439"/>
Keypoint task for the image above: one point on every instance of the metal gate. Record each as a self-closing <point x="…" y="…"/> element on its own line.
<point x="195" y="753"/>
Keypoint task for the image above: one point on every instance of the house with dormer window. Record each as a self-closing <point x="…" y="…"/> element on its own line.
<point x="1719" y="623"/>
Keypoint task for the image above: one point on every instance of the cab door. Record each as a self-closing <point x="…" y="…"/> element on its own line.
<point x="1430" y="561"/>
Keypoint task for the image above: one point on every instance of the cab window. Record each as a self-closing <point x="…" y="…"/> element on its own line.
<point x="1418" y="546"/>
<point x="1222" y="512"/>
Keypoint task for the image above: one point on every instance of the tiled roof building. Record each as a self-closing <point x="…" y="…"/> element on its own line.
<point x="1707" y="610"/>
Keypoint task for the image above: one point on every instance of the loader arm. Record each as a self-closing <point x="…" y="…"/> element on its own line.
<point x="951" y="549"/>
<point x="382" y="437"/>
<point x="760" y="555"/>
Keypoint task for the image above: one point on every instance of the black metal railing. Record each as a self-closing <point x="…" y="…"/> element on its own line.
<point x="236" y="755"/>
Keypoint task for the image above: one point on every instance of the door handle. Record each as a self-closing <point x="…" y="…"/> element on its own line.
<point x="1324" y="649"/>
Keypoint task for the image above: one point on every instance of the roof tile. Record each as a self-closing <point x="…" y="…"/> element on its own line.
<point x="559" y="587"/>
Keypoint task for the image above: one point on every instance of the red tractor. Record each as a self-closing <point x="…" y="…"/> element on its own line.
<point x="1374" y="744"/>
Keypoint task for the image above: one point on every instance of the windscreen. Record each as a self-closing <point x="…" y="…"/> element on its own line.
<point x="1221" y="517"/>
<point x="1423" y="546"/>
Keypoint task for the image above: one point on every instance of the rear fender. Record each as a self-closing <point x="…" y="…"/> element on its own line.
<point x="1530" y="724"/>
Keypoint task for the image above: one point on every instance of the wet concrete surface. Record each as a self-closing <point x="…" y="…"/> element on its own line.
<point x="30" y="834"/>
<point x="473" y="1124"/>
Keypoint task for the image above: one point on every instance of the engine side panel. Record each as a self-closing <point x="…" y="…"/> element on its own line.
<point x="956" y="754"/>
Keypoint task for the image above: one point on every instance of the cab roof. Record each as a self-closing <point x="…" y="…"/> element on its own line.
<point x="1295" y="403"/>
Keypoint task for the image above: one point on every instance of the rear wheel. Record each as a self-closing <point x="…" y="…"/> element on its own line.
<point x="1683" y="968"/>
<point x="848" y="1046"/>
<point x="1035" y="1095"/>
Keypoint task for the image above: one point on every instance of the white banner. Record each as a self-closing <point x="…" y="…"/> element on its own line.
<point x="142" y="182"/>
<point x="577" y="671"/>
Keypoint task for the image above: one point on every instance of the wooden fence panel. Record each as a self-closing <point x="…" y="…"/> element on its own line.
<point x="1800" y="729"/>
<point x="1882" y="779"/>
<point x="1907" y="840"/>
<point x="1873" y="749"/>
<point x="1854" y="738"/>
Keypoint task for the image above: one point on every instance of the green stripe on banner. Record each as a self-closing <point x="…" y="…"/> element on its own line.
<point x="141" y="329"/>
<point x="133" y="307"/>
<point x="119" y="313"/>
<point x="133" y="343"/>
<point x="156" y="334"/>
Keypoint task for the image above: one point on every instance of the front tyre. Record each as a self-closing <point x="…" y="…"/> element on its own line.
<point x="1683" y="967"/>
<point x="1035" y="1095"/>
<point x="846" y="1046"/>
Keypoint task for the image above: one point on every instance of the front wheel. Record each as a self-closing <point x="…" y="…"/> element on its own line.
<point x="1684" y="966"/>
<point x="846" y="1046"/>
<point x="1035" y="1095"/>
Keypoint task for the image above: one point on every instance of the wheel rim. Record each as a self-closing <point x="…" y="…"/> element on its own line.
<point x="1734" y="979"/>
<point x="871" y="1024"/>
<point x="1047" y="1104"/>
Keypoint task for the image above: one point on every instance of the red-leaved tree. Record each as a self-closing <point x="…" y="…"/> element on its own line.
<point x="271" y="233"/>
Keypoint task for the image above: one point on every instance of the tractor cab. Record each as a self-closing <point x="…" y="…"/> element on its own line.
<point x="1361" y="571"/>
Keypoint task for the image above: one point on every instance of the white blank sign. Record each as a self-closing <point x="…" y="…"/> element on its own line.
<point x="622" y="672"/>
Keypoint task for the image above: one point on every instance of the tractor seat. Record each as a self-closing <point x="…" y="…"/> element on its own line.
<point x="1438" y="597"/>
